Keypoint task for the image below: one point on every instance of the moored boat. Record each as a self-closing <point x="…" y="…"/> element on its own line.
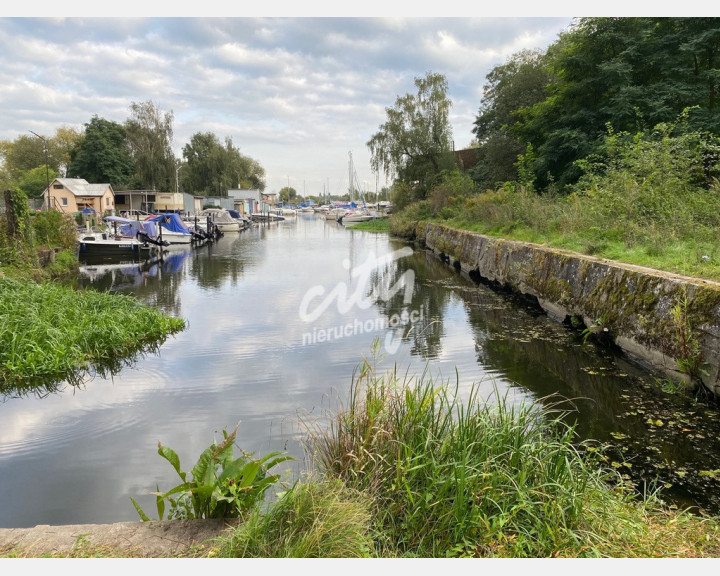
<point x="172" y="229"/>
<point x="122" y="237"/>
<point x="357" y="216"/>
<point x="220" y="218"/>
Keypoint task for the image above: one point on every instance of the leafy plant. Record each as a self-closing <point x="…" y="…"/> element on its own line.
<point x="690" y="357"/>
<point x="597" y="329"/>
<point x="221" y="486"/>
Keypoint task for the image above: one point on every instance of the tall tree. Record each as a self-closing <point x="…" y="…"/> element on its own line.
<point x="414" y="144"/>
<point x="24" y="153"/>
<point x="631" y="73"/>
<point x="149" y="134"/>
<point x="34" y="182"/>
<point x="103" y="155"/>
<point x="212" y="168"/>
<point x="518" y="83"/>
<point x="61" y="145"/>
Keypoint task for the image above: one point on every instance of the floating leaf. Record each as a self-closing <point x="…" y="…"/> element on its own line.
<point x="714" y="474"/>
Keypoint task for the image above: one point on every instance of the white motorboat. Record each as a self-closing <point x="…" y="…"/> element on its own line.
<point x="172" y="229"/>
<point x="220" y="218"/>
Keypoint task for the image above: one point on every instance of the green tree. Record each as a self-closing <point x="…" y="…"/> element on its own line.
<point x="60" y="147"/>
<point x="103" y="155"/>
<point x="211" y="168"/>
<point x="414" y="144"/>
<point x="24" y="153"/>
<point x="34" y="182"/>
<point x="27" y="151"/>
<point x="519" y="83"/>
<point x="149" y="134"/>
<point x="287" y="194"/>
<point x="631" y="73"/>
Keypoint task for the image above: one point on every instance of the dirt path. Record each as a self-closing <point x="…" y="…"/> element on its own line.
<point x="167" y="539"/>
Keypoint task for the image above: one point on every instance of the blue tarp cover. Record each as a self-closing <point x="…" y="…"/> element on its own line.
<point x="129" y="227"/>
<point x="170" y="221"/>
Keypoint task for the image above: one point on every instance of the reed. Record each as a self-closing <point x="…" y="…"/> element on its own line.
<point x="483" y="477"/>
<point x="49" y="331"/>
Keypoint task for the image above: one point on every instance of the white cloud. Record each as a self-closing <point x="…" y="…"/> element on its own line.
<point x="296" y="94"/>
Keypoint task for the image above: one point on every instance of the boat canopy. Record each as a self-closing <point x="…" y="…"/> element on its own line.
<point x="130" y="228"/>
<point x="170" y="221"/>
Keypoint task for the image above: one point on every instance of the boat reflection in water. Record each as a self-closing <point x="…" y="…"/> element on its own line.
<point x="121" y="275"/>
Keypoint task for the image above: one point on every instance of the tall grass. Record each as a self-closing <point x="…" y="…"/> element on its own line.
<point x="50" y="331"/>
<point x="319" y="519"/>
<point x="480" y="478"/>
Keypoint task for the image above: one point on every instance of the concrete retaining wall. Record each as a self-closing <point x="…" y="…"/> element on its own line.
<point x="655" y="317"/>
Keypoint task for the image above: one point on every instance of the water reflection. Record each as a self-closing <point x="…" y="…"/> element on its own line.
<point x="78" y="454"/>
<point x="156" y="279"/>
<point x="660" y="439"/>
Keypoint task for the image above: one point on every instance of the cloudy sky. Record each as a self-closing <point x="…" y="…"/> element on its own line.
<point x="297" y="94"/>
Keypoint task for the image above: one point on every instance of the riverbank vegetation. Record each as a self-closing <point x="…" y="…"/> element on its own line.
<point x="48" y="331"/>
<point x="375" y="225"/>
<point x="410" y="467"/>
<point x="450" y="474"/>
<point x="642" y="204"/>
<point x="607" y="143"/>
<point x="35" y="245"/>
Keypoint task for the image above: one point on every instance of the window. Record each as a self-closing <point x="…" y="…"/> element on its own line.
<point x="63" y="201"/>
<point x="57" y="186"/>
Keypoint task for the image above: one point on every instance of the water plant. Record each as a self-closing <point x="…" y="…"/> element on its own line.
<point x="689" y="355"/>
<point x="220" y="486"/>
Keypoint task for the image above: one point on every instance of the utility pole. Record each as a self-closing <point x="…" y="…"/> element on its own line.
<point x="47" y="171"/>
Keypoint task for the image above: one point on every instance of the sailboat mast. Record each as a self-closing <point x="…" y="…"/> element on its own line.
<point x="350" y="177"/>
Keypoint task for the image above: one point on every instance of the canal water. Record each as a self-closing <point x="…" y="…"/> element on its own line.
<point x="279" y="316"/>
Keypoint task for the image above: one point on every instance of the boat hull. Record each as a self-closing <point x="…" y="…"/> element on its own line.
<point x="112" y="247"/>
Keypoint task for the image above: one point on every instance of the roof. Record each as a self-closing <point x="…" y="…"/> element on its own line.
<point x="247" y="194"/>
<point x="466" y="159"/>
<point x="81" y="187"/>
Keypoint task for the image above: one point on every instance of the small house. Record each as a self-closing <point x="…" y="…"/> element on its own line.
<point x="72" y="195"/>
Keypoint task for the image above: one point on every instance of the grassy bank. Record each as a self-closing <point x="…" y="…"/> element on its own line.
<point x="48" y="331"/>
<point x="647" y="200"/>
<point x="616" y="227"/>
<point x="375" y="225"/>
<point x="408" y="469"/>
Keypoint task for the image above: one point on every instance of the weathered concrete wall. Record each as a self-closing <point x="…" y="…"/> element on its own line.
<point x="638" y="306"/>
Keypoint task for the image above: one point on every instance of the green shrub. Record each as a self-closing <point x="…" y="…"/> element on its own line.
<point x="54" y="229"/>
